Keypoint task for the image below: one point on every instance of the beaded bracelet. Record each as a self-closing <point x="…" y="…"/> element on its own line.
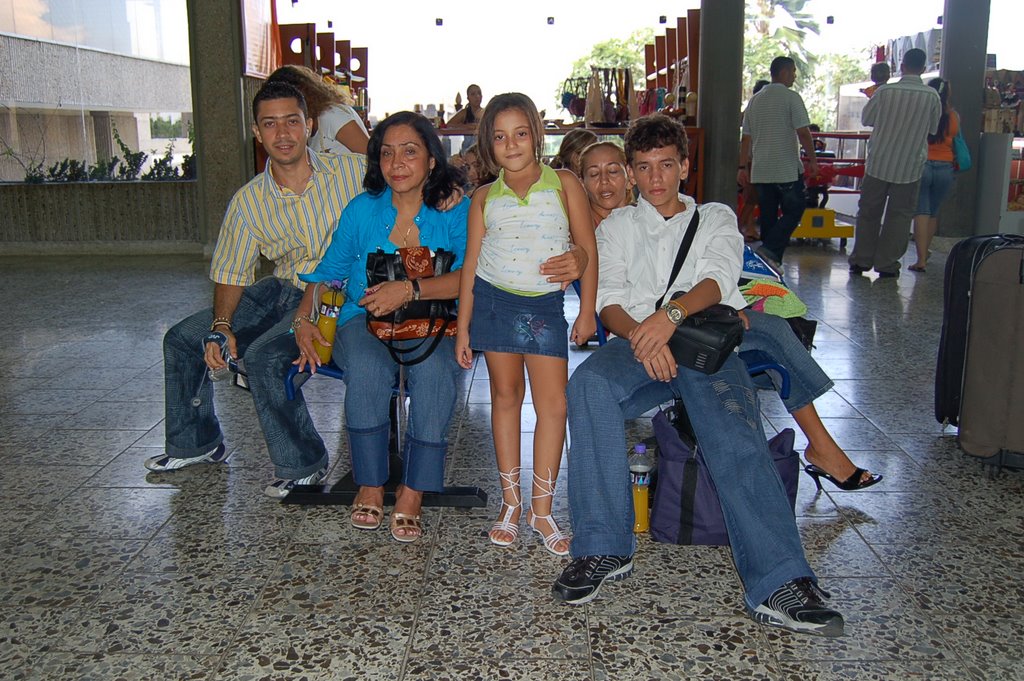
<point x="220" y="321"/>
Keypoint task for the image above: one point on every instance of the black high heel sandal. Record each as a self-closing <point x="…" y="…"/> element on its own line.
<point x="854" y="482"/>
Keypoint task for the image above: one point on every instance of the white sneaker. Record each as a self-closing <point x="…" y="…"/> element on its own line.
<point x="279" y="488"/>
<point x="165" y="462"/>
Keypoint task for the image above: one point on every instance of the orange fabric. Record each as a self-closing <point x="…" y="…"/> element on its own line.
<point x="764" y="290"/>
<point x="943" y="149"/>
<point x="275" y="40"/>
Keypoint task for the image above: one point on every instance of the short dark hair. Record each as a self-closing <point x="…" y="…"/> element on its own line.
<point x="914" y="60"/>
<point x="485" y="131"/>
<point x="278" y="90"/>
<point x="654" y="132"/>
<point x="780" y="63"/>
<point x="880" y="72"/>
<point x="760" y="85"/>
<point x="441" y="181"/>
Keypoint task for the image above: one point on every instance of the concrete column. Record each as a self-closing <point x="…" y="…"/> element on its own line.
<point x="718" y="96"/>
<point x="964" y="44"/>
<point x="221" y="123"/>
<point x="103" y="135"/>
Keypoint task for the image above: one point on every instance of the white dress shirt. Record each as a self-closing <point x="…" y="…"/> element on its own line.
<point x="637" y="246"/>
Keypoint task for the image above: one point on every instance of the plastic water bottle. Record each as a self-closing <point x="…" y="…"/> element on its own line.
<point x="331" y="300"/>
<point x="641" y="463"/>
<point x="225" y="371"/>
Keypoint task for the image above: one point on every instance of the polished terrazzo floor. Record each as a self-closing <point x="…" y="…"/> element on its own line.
<point x="108" y="572"/>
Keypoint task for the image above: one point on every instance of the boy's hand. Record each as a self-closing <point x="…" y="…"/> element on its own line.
<point x="651" y="335"/>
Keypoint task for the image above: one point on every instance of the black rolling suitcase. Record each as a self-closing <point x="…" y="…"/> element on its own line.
<point x="979" y="377"/>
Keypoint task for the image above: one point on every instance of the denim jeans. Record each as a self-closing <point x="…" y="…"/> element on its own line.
<point x="776" y="229"/>
<point x="262" y="325"/>
<point x="773" y="335"/>
<point x="370" y="374"/>
<point x="936" y="181"/>
<point x="611" y="386"/>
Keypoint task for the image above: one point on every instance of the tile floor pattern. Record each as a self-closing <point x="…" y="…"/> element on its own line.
<point x="112" y="573"/>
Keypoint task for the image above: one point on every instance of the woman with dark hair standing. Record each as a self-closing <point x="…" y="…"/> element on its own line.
<point x="337" y="127"/>
<point x="407" y="180"/>
<point x="470" y="114"/>
<point x="937" y="179"/>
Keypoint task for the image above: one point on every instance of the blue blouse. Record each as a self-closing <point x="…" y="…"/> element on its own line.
<point x="364" y="227"/>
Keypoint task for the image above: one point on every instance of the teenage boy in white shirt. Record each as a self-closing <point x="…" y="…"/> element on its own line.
<point x="636" y="371"/>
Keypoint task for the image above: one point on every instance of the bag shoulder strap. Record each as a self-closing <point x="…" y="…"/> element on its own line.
<point x="684" y="250"/>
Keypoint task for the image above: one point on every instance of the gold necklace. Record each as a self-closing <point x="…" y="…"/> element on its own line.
<point x="405" y="239"/>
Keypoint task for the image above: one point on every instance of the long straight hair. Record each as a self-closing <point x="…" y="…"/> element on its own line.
<point x="485" y="132"/>
<point x="942" y="87"/>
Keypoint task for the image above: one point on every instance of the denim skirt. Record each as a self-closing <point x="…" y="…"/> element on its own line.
<point x="526" y="325"/>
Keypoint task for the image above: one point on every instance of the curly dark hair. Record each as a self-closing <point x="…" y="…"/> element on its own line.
<point x="654" y="132"/>
<point x="441" y="181"/>
<point x="278" y="90"/>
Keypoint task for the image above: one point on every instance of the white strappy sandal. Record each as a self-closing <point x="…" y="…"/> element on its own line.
<point x="510" y="482"/>
<point x="552" y="539"/>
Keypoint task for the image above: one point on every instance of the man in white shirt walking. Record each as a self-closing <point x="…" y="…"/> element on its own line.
<point x="902" y="114"/>
<point x="773" y="124"/>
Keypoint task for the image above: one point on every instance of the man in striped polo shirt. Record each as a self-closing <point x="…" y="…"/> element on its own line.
<point x="287" y="213"/>
<point x="773" y="124"/>
<point x="901" y="114"/>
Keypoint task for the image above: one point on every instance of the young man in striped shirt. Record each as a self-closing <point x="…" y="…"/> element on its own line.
<point x="902" y="114"/>
<point x="287" y="213"/>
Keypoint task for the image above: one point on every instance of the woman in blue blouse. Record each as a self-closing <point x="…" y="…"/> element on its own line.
<point x="407" y="178"/>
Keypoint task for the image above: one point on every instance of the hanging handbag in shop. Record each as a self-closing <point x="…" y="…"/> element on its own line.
<point x="594" y="110"/>
<point x="426" y="320"/>
<point x="705" y="339"/>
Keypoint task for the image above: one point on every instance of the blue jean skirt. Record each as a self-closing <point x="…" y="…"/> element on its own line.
<point x="525" y="325"/>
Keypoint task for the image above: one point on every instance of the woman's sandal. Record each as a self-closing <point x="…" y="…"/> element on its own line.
<point x="510" y="482"/>
<point x="856" y="481"/>
<point x="406" y="522"/>
<point x="554" y="536"/>
<point x="916" y="268"/>
<point x="374" y="512"/>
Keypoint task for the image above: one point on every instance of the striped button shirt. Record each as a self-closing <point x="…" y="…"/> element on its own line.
<point x="902" y="115"/>
<point x="290" y="229"/>
<point x="772" y="118"/>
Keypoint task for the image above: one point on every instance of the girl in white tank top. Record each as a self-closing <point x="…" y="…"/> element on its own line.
<point x="508" y="310"/>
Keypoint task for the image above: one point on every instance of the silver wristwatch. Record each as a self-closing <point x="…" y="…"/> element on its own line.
<point x="674" y="313"/>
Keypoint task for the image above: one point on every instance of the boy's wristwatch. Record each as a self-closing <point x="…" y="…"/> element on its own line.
<point x="674" y="313"/>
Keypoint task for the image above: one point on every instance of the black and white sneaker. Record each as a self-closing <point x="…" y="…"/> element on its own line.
<point x="582" y="578"/>
<point x="279" y="488"/>
<point x="165" y="462"/>
<point x="798" y="605"/>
